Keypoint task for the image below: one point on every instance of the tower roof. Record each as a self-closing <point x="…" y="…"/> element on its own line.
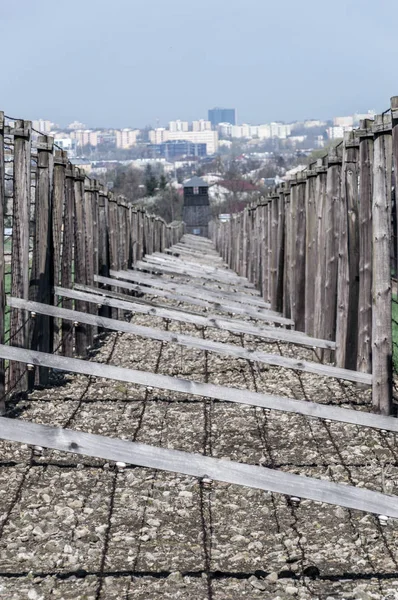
<point x="196" y="182"/>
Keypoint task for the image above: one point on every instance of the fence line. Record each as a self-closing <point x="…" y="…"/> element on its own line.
<point x="59" y="227"/>
<point x="322" y="250"/>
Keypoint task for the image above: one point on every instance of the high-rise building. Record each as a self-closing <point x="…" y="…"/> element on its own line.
<point x="126" y="138"/>
<point x="43" y="125"/>
<point x="178" y="126"/>
<point x="201" y="125"/>
<point x="222" y="115"/>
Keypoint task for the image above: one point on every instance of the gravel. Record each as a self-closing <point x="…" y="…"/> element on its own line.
<point x="74" y="527"/>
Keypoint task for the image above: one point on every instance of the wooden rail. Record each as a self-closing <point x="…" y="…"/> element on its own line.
<point x="196" y="465"/>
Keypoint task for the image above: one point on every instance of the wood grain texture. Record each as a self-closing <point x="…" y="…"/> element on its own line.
<point x="193" y="342"/>
<point x="196" y="465"/>
<point x="186" y="386"/>
<point x="381" y="308"/>
<point x="215" y="321"/>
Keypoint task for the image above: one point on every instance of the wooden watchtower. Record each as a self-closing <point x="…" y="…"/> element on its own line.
<point x="196" y="214"/>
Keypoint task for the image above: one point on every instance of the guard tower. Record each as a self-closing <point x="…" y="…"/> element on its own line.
<point x="196" y="213"/>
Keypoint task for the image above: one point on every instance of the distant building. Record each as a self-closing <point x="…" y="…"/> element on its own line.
<point x="196" y="211"/>
<point x="178" y="126"/>
<point x="82" y="163"/>
<point x="201" y="125"/>
<point x="343" y="121"/>
<point x="362" y="116"/>
<point x="158" y="135"/>
<point x="337" y="132"/>
<point x="178" y="148"/>
<point x="126" y="138"/>
<point x="76" y="125"/>
<point x="66" y="143"/>
<point x="43" y="125"/>
<point x="222" y="115"/>
<point x="314" y="123"/>
<point x="210" y="138"/>
<point x="85" y="137"/>
<point x="237" y="192"/>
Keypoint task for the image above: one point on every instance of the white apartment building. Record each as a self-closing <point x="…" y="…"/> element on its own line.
<point x="76" y="125"/>
<point x="158" y="135"/>
<point x="201" y="125"/>
<point x="126" y="138"/>
<point x="225" y="129"/>
<point x="314" y="123"/>
<point x="178" y="126"/>
<point x="85" y="137"/>
<point x="343" y="121"/>
<point x="337" y="132"/>
<point x="361" y="116"/>
<point x="208" y="137"/>
<point x="264" y="132"/>
<point x="280" y="130"/>
<point x="42" y="125"/>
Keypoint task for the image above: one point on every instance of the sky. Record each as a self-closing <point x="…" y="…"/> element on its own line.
<point x="132" y="63"/>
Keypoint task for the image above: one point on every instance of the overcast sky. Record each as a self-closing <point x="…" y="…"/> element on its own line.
<point x="129" y="63"/>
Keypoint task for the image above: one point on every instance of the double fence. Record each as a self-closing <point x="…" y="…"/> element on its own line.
<point x="58" y="227"/>
<point x="322" y="249"/>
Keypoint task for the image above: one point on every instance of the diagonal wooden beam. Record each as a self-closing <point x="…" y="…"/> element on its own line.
<point x="186" y="386"/>
<point x="193" y="297"/>
<point x="115" y="300"/>
<point x="196" y="343"/>
<point x="196" y="465"/>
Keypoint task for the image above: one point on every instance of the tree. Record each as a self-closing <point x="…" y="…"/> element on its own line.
<point x="151" y="183"/>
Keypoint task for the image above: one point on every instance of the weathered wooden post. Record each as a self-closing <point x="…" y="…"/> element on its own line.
<point x="80" y="256"/>
<point x="394" y="117"/>
<point x="58" y="205"/>
<point x="274" y="200"/>
<point x="287" y="251"/>
<point x="381" y="306"/>
<point x="41" y="280"/>
<point x="67" y="251"/>
<point x="18" y="381"/>
<point x="299" y="251"/>
<point x="310" y="248"/>
<point x="320" y="265"/>
<point x="292" y="240"/>
<point x="365" y="134"/>
<point x="333" y="175"/>
<point x="348" y="270"/>
<point x="103" y="242"/>
<point x="2" y="262"/>
<point x="280" y="249"/>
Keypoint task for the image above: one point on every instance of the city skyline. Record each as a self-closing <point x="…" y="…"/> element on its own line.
<point x="132" y="64"/>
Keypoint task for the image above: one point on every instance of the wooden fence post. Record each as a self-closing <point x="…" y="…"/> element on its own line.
<point x="348" y="273"/>
<point x="20" y="248"/>
<point x="58" y="228"/>
<point x="320" y="270"/>
<point x="2" y="262"/>
<point x="310" y="250"/>
<point x="280" y="251"/>
<point x="41" y="280"/>
<point x="381" y="308"/>
<point x="299" y="251"/>
<point x="394" y="117"/>
<point x="331" y="247"/>
<point x="365" y="134"/>
<point x="67" y="252"/>
<point x="274" y="198"/>
<point x="80" y="257"/>
<point x="287" y="251"/>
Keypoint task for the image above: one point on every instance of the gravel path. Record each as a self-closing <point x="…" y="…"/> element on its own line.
<point x="73" y="527"/>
